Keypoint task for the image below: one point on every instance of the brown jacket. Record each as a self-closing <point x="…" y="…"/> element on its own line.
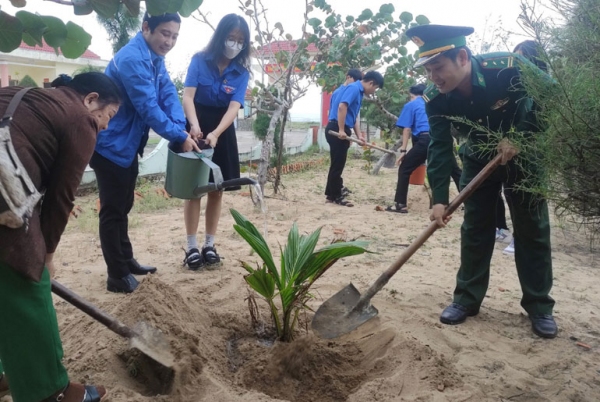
<point x="54" y="136"/>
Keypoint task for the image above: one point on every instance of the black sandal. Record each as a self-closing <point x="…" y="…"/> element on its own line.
<point x="193" y="259"/>
<point x="341" y="201"/>
<point x="90" y="394"/>
<point x="398" y="208"/>
<point x="210" y="255"/>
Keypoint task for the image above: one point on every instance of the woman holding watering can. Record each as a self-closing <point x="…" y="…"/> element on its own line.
<point x="215" y="88"/>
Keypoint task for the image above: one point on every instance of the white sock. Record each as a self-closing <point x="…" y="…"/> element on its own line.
<point x="192" y="242"/>
<point x="209" y="240"/>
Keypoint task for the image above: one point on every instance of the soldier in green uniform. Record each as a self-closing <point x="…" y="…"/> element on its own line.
<point x="485" y="91"/>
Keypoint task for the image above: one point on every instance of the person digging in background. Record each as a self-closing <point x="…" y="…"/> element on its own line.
<point x="414" y="124"/>
<point x="53" y="132"/>
<point x="150" y="101"/>
<point x="485" y="90"/>
<point x="215" y="88"/>
<point x="343" y="116"/>
<point x="352" y="76"/>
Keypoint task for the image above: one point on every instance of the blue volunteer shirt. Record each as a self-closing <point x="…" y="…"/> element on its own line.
<point x="334" y="102"/>
<point x="413" y="116"/>
<point x="351" y="95"/>
<point x="150" y="100"/>
<point x="213" y="89"/>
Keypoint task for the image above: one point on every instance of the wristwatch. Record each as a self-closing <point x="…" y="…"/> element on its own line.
<point x="402" y="151"/>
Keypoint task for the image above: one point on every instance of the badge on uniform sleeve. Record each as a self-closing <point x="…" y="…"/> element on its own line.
<point x="500" y="103"/>
<point x="228" y="89"/>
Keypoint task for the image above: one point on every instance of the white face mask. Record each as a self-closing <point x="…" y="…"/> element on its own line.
<point x="231" y="51"/>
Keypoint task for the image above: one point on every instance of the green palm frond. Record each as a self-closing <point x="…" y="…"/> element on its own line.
<point x="248" y="231"/>
<point x="260" y="281"/>
<point x="298" y="255"/>
<point x="322" y="258"/>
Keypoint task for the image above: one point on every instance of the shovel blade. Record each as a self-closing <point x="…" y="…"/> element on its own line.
<point x="338" y="315"/>
<point x="153" y="343"/>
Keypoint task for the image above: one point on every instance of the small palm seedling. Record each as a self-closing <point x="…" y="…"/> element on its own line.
<point x="300" y="266"/>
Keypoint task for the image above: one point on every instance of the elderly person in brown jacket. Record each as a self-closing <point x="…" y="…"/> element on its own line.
<point x="54" y="133"/>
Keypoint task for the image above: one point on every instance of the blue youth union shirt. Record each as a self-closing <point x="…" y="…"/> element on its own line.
<point x="213" y="89"/>
<point x="334" y="102"/>
<point x="352" y="96"/>
<point x="413" y="116"/>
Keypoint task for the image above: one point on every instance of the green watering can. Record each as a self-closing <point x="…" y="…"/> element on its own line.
<point x="188" y="173"/>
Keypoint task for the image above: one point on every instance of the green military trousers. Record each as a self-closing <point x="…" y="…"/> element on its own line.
<point x="30" y="347"/>
<point x="531" y="231"/>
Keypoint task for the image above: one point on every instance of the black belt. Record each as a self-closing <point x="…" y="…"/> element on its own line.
<point x="336" y="122"/>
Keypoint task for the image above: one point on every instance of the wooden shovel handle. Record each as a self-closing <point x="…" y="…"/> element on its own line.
<point x="336" y="134"/>
<point x="109" y="321"/>
<point x="422" y="238"/>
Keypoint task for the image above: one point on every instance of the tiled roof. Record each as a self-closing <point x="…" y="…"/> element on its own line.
<point x="88" y="54"/>
<point x="283" y="46"/>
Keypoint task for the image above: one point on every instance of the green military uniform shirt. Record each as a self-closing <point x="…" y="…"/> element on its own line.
<point x="498" y="103"/>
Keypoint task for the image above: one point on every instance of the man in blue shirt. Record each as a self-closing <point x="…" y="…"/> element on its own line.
<point x="342" y="117"/>
<point x="352" y="76"/>
<point x="414" y="123"/>
<point x="149" y="101"/>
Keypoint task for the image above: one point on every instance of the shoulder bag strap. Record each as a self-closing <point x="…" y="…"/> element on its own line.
<point x="12" y="106"/>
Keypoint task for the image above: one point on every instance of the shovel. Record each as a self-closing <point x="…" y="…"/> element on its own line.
<point x="348" y="309"/>
<point x="387" y="151"/>
<point x="144" y="338"/>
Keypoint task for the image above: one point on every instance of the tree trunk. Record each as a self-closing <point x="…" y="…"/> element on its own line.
<point x="265" y="152"/>
<point x="383" y="158"/>
<point x="280" y="151"/>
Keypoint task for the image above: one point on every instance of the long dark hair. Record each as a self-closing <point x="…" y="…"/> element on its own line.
<point x="85" y="83"/>
<point x="217" y="43"/>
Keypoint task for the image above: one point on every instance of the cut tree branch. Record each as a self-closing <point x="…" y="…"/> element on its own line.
<point x="203" y="18"/>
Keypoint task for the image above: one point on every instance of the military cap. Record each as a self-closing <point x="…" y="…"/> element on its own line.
<point x="433" y="40"/>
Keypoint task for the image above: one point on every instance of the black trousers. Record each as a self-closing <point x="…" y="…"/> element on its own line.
<point x="338" y="150"/>
<point x="413" y="159"/>
<point x="116" y="185"/>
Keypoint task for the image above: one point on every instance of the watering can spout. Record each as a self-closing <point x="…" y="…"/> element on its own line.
<point x="221" y="185"/>
<point x="236" y="183"/>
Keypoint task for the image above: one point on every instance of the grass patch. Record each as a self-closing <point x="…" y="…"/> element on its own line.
<point x="149" y="197"/>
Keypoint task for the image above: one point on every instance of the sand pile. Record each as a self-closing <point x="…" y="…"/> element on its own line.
<point x="230" y="354"/>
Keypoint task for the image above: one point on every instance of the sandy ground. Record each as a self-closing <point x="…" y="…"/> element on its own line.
<point x="404" y="354"/>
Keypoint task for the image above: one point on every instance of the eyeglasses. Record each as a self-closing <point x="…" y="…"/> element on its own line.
<point x="235" y="44"/>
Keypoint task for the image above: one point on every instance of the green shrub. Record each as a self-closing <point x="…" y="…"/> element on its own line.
<point x="27" y="81"/>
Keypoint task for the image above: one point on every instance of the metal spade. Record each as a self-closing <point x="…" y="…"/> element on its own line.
<point x="348" y="309"/>
<point x="143" y="337"/>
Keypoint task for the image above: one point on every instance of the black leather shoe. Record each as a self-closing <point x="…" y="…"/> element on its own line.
<point x="126" y="284"/>
<point x="456" y="314"/>
<point x="137" y="269"/>
<point x="544" y="326"/>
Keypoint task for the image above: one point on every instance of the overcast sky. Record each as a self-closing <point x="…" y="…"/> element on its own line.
<point x="194" y="35"/>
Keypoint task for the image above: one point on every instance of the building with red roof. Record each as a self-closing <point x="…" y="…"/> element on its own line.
<point x="42" y="64"/>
